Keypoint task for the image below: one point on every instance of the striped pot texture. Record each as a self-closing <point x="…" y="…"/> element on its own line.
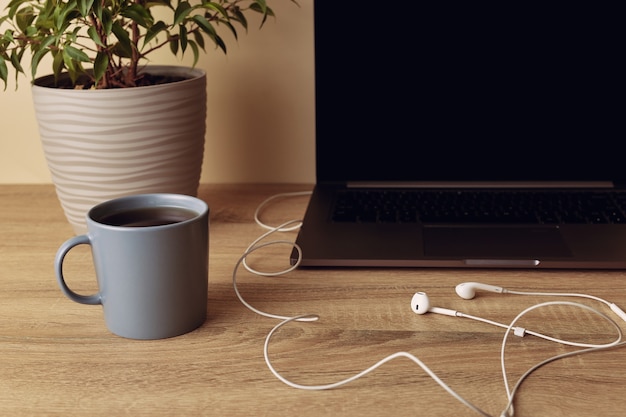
<point x="103" y="144"/>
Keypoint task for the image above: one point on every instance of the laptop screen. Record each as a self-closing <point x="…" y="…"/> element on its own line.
<point x="468" y="93"/>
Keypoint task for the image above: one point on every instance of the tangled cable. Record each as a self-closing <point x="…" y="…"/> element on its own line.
<point x="507" y="412"/>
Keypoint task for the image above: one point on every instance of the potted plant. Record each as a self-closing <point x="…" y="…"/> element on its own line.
<point x="112" y="123"/>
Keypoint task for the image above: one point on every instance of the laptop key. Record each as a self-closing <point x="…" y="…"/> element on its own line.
<point x="480" y="206"/>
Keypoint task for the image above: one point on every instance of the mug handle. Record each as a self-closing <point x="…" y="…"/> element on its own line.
<point x="58" y="268"/>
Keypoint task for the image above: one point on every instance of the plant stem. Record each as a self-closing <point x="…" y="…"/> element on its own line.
<point x="131" y="76"/>
<point x="105" y="82"/>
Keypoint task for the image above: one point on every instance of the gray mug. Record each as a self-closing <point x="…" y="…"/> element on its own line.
<point x="150" y="253"/>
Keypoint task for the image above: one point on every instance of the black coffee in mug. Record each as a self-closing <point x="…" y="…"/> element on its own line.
<point x="148" y="216"/>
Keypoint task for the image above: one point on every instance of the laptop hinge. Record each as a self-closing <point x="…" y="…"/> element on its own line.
<point x="481" y="184"/>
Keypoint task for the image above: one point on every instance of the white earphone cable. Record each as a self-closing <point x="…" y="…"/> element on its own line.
<point x="360" y="374"/>
<point x="255" y="245"/>
<point x="519" y="331"/>
<point x="284" y="228"/>
<point x="511" y="393"/>
<point x="555" y="294"/>
<point x="508" y="411"/>
<point x="616" y="309"/>
<point x="242" y="260"/>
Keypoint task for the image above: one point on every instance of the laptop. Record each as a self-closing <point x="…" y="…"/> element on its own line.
<point x="516" y="108"/>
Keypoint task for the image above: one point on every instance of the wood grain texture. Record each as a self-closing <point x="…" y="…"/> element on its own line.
<point x="57" y="357"/>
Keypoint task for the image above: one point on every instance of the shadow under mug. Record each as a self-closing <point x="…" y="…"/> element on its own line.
<point x="150" y="253"/>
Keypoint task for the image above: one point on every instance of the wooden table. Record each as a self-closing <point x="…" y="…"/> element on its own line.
<point x="58" y="358"/>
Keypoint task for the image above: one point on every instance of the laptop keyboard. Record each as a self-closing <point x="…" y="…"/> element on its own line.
<point x="480" y="206"/>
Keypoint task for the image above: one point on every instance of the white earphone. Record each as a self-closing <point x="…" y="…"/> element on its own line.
<point x="467" y="290"/>
<point x="420" y="304"/>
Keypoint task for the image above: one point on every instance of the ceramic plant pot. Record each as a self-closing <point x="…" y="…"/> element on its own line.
<point x="103" y="144"/>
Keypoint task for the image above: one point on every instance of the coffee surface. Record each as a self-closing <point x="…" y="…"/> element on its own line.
<point x="148" y="216"/>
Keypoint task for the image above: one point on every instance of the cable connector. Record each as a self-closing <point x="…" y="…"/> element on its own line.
<point x="519" y="331"/>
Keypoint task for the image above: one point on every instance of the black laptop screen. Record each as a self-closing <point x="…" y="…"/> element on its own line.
<point x="520" y="93"/>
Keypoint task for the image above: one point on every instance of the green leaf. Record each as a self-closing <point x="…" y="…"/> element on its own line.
<point x="34" y="63"/>
<point x="124" y="43"/>
<point x="47" y="13"/>
<point x="4" y="72"/>
<point x="166" y="3"/>
<point x="73" y="36"/>
<point x="12" y="7"/>
<point x="182" y="11"/>
<point x="84" y="6"/>
<point x="31" y="32"/>
<point x="238" y="16"/>
<point x="199" y="39"/>
<point x="174" y="46"/>
<point x="97" y="9"/>
<point x="61" y="13"/>
<point x="138" y="14"/>
<point x="57" y="65"/>
<point x="183" y="38"/>
<point x="232" y="29"/>
<point x="74" y="67"/>
<point x="46" y="43"/>
<point x="71" y="67"/>
<point x="94" y="36"/>
<point x="217" y="7"/>
<point x="16" y="59"/>
<point x="24" y="18"/>
<point x="259" y="6"/>
<point x="107" y="22"/>
<point x="204" y="24"/>
<point x="208" y="28"/>
<point x="7" y="37"/>
<point x="153" y="31"/>
<point x="40" y="52"/>
<point x="76" y="54"/>
<point x="219" y="42"/>
<point x="100" y="65"/>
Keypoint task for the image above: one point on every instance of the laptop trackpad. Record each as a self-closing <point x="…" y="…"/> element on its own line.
<point x="494" y="242"/>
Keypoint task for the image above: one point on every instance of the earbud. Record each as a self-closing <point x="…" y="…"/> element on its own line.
<point x="467" y="290"/>
<point x="420" y="304"/>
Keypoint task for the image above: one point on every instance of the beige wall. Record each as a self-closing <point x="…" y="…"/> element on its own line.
<point x="260" y="123"/>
